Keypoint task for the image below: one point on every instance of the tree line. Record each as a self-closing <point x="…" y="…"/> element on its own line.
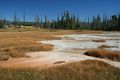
<point x="68" y="21"/>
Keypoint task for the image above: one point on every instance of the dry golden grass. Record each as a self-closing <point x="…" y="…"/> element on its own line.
<point x="13" y="53"/>
<point x="4" y="57"/>
<point x="112" y="55"/>
<point x="84" y="70"/>
<point x="17" y="43"/>
<point x="100" y="40"/>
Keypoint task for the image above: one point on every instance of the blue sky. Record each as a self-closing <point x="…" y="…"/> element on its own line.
<point x="51" y="8"/>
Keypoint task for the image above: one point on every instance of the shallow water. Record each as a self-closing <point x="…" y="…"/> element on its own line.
<point x="72" y="47"/>
<point x="84" y="41"/>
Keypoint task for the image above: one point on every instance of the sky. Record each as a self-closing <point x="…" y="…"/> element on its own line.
<point x="52" y="8"/>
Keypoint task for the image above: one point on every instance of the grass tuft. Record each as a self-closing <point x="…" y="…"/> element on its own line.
<point x="100" y="40"/>
<point x="105" y="46"/>
<point x="112" y="55"/>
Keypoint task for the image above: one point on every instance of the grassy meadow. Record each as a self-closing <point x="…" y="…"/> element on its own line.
<point x="16" y="43"/>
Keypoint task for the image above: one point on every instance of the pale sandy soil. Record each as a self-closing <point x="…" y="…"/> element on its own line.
<point x="69" y="49"/>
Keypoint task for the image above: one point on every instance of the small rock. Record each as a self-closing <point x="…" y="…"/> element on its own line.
<point x="117" y="42"/>
<point x="59" y="62"/>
